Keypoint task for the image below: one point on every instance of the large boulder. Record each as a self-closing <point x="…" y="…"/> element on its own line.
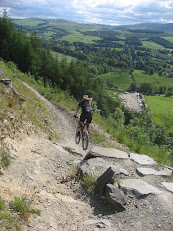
<point x="115" y="197"/>
<point x="103" y="180"/>
<point x="98" y="166"/>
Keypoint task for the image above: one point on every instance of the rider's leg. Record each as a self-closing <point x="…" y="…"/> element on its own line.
<point x="79" y="126"/>
<point x="88" y="127"/>
<point x="81" y="121"/>
<point x="88" y="122"/>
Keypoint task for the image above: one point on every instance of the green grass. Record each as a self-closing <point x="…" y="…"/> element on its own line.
<point x="23" y="206"/>
<point x="141" y="77"/>
<point x="170" y="39"/>
<point x="162" y="111"/>
<point x="152" y="45"/>
<point x="123" y="79"/>
<point x="80" y="38"/>
<point x="70" y="27"/>
<point x="118" y="78"/>
<point x="61" y="56"/>
<point x="28" y="22"/>
<point x="32" y="109"/>
<point x="7" y="219"/>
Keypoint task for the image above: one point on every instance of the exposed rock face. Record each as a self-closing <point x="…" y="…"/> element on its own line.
<point x="103" y="180"/>
<point x="115" y="197"/>
<point x="98" y="166"/>
<point x="109" y="164"/>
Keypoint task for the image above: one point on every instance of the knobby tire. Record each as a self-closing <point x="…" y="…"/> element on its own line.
<point x="85" y="140"/>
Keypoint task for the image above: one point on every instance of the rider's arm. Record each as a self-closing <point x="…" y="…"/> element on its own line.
<point x="77" y="109"/>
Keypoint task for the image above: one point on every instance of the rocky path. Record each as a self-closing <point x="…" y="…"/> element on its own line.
<point x="41" y="170"/>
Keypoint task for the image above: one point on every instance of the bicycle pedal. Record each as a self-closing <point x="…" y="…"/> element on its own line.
<point x="78" y="133"/>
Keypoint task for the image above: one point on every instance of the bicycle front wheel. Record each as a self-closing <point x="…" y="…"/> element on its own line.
<point x="85" y="140"/>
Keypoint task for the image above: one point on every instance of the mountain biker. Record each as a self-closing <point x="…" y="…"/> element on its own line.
<point x="87" y="111"/>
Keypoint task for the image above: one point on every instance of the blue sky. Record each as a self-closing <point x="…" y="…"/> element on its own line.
<point x="111" y="12"/>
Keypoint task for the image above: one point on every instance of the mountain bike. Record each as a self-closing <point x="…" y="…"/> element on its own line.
<point x="84" y="135"/>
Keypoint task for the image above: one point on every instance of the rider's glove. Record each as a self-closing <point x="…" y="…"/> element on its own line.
<point x="75" y="116"/>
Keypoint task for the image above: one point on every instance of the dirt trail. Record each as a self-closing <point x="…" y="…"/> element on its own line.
<point x="40" y="169"/>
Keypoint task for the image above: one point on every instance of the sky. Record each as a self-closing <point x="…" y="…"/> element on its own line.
<point x="110" y="12"/>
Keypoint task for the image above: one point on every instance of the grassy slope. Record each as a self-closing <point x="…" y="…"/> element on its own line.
<point x="123" y="79"/>
<point x="32" y="111"/>
<point x="61" y="56"/>
<point x="70" y="27"/>
<point x="78" y="37"/>
<point x="28" y="115"/>
<point x="152" y="45"/>
<point x="118" y="78"/>
<point x="162" y="110"/>
<point x="141" y="77"/>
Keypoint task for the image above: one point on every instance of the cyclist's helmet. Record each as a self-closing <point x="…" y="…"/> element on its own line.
<point x="85" y="97"/>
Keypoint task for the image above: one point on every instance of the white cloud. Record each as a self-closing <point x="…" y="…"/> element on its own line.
<point x="93" y="11"/>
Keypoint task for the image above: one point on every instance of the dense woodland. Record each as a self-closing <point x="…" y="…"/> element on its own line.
<point x="81" y="76"/>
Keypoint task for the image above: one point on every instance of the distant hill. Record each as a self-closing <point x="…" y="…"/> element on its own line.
<point x="166" y="28"/>
<point x="65" y="27"/>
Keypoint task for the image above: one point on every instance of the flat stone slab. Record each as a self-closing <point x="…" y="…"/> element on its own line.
<point x="168" y="186"/>
<point x="142" y="159"/>
<point x="151" y="171"/>
<point x="97" y="151"/>
<point x="99" y="166"/>
<point x="138" y="188"/>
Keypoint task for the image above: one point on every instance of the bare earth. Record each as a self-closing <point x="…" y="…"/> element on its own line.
<point x="40" y="169"/>
<point x="132" y="101"/>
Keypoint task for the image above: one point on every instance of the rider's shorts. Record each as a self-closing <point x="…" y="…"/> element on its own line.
<point x="86" y="116"/>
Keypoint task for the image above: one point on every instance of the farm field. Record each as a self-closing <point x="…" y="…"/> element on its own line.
<point x="170" y="39"/>
<point x="119" y="78"/>
<point x="152" y="45"/>
<point x="162" y="111"/>
<point x="61" y="56"/>
<point x="141" y="77"/>
<point x="28" y="22"/>
<point x="123" y="79"/>
<point x="80" y="38"/>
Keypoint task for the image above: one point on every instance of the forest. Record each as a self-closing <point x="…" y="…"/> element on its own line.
<point x="137" y="130"/>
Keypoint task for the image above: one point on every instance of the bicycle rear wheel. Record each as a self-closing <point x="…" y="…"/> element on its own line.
<point x="77" y="138"/>
<point x="85" y="140"/>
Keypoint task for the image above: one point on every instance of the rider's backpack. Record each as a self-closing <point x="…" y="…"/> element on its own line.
<point x="86" y="106"/>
